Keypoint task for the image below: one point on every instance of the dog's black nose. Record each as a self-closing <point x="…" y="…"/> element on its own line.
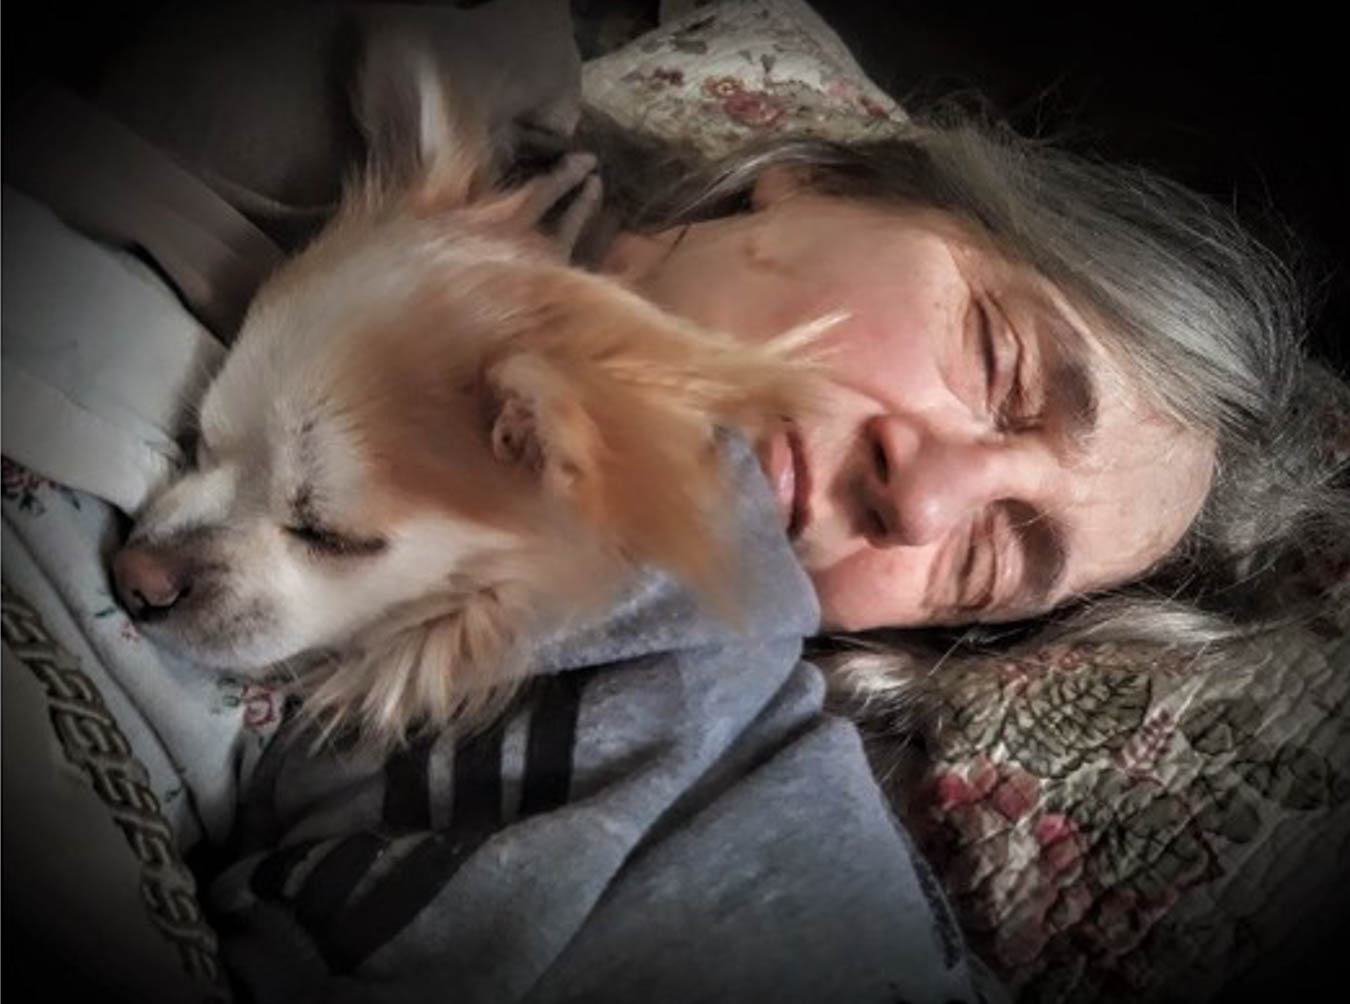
<point x="148" y="582"/>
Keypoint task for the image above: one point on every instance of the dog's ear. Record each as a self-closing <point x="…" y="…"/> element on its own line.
<point x="418" y="138"/>
<point x="615" y="403"/>
<point x="639" y="470"/>
<point x="540" y="424"/>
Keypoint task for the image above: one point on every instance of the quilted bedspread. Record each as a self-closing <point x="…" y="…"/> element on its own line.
<point x="1119" y="824"/>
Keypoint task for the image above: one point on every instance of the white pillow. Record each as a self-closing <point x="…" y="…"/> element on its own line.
<point x="100" y="359"/>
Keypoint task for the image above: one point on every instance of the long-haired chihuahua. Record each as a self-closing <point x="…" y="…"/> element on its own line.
<point x="433" y="440"/>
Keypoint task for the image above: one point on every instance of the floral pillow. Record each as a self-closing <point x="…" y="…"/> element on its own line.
<point x="728" y="72"/>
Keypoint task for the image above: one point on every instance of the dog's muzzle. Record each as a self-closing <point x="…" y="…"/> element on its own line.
<point x="150" y="581"/>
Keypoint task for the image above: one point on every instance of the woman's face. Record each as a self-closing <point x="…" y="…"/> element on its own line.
<point x="977" y="455"/>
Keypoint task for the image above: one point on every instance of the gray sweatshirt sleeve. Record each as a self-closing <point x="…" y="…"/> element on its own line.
<point x="667" y="816"/>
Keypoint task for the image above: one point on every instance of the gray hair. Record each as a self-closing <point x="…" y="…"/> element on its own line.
<point x="1211" y="322"/>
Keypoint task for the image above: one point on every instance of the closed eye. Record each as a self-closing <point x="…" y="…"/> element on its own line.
<point x="979" y="570"/>
<point x="333" y="544"/>
<point x="1002" y="358"/>
<point x="988" y="353"/>
<point x="999" y="354"/>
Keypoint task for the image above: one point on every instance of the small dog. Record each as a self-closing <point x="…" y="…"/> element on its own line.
<point x="433" y="440"/>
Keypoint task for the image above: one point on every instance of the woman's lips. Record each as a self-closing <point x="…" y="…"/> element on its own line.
<point x="801" y="483"/>
<point x="784" y="463"/>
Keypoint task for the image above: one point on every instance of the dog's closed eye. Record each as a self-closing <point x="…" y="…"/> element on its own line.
<point x="331" y="543"/>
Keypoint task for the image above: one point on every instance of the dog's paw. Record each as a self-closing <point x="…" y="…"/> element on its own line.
<point x="561" y="202"/>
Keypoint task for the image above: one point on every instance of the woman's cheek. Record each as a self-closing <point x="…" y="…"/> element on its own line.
<point x="884" y="358"/>
<point x="871" y="590"/>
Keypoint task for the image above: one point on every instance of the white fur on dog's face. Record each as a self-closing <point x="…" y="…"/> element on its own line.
<point x="281" y="531"/>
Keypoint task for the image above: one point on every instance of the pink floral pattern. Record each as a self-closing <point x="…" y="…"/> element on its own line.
<point x="262" y="702"/>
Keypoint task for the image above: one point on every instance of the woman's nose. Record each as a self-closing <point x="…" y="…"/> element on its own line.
<point x="920" y="483"/>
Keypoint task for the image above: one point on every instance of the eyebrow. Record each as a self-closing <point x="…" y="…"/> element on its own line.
<point x="1070" y="390"/>
<point x="1044" y="545"/>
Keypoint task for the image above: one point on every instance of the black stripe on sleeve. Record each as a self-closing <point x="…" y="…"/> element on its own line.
<point x="330" y="883"/>
<point x="477" y="788"/>
<point x="548" y="752"/>
<point x="415" y="881"/>
<point x="269" y="877"/>
<point x="407" y="794"/>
